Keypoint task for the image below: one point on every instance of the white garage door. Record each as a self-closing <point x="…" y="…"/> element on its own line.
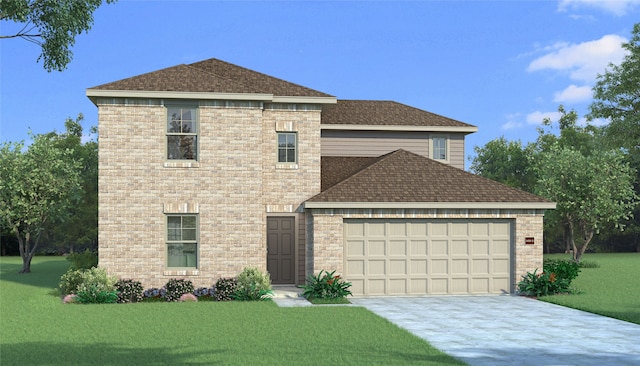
<point x="418" y="257"/>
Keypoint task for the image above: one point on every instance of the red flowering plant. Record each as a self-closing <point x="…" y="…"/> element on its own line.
<point x="326" y="285"/>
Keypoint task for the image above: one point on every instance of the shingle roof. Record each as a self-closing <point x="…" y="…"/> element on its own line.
<point x="402" y="176"/>
<point x="213" y="76"/>
<point x="383" y="113"/>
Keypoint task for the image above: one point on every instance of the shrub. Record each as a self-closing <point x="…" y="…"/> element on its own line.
<point x="129" y="291"/>
<point x="225" y="288"/>
<point x="177" y="287"/>
<point x="154" y="294"/>
<point x="70" y="281"/>
<point x="565" y="270"/>
<point x="96" y="287"/>
<point x="188" y="298"/>
<point x="83" y="260"/>
<point x="204" y="293"/>
<point x="326" y="286"/>
<point x="252" y="285"/>
<point x="93" y="295"/>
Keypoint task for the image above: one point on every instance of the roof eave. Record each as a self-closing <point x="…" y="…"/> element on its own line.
<point x="434" y="205"/>
<point x="352" y="127"/>
<point x="93" y="94"/>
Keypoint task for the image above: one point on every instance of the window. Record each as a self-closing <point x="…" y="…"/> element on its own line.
<point x="182" y="138"/>
<point x="182" y="242"/>
<point x="286" y="147"/>
<point x="439" y="148"/>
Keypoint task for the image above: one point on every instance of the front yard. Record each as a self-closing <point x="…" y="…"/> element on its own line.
<point x="612" y="289"/>
<point x="37" y="329"/>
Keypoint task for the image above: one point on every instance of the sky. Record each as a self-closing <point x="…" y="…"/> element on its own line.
<point x="502" y="66"/>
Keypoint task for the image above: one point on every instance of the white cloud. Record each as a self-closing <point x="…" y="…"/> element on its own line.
<point x="537" y="117"/>
<point x="584" y="61"/>
<point x="511" y="125"/>
<point x="616" y="7"/>
<point x="573" y="94"/>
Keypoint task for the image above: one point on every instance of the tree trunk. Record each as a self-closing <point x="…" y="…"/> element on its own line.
<point x="577" y="255"/>
<point x="26" y="252"/>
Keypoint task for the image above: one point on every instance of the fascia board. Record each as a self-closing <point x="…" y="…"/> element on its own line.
<point x="461" y="129"/>
<point x="100" y="93"/>
<point x="431" y="205"/>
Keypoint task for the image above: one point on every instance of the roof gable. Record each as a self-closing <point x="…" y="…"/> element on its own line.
<point x="383" y="113"/>
<point x="402" y="176"/>
<point x="211" y="76"/>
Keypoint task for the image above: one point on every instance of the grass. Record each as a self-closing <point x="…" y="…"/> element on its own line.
<point x="610" y="289"/>
<point x="336" y="301"/>
<point x="37" y="329"/>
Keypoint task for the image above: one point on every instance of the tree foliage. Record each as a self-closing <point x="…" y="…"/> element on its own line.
<point x="590" y="191"/>
<point x="617" y="96"/>
<point x="37" y="185"/>
<point x="508" y="162"/>
<point x="51" y="24"/>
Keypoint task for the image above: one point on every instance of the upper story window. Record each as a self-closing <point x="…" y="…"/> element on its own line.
<point x="439" y="148"/>
<point x="182" y="133"/>
<point x="287" y="146"/>
<point x="182" y="241"/>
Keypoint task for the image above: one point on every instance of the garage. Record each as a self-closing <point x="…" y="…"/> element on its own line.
<point x="428" y="256"/>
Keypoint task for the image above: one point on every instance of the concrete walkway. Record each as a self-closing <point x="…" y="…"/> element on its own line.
<point x="511" y="330"/>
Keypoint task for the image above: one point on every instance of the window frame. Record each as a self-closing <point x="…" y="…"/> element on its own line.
<point x="195" y="121"/>
<point x="447" y="144"/>
<point x="286" y="148"/>
<point x="195" y="241"/>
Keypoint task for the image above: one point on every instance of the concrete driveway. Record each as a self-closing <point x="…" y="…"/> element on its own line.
<point x="511" y="330"/>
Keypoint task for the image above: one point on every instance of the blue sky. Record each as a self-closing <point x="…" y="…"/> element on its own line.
<point x="500" y="65"/>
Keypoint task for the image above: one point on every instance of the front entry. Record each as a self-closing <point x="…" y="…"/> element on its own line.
<point x="280" y="249"/>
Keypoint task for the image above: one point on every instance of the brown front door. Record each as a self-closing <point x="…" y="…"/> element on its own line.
<point x="280" y="249"/>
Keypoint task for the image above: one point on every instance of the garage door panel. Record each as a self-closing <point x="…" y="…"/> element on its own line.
<point x="419" y="286"/>
<point x="398" y="248"/>
<point x="479" y="267"/>
<point x="460" y="248"/>
<point x="354" y="248"/>
<point x="428" y="256"/>
<point x="418" y="248"/>
<point x="376" y="248"/>
<point x="418" y="267"/>
<point x="398" y="286"/>
<point x="460" y="286"/>
<point x="480" y="247"/>
<point x="439" y="286"/>
<point x="439" y="266"/>
<point x="460" y="266"/>
<point x="439" y="247"/>
<point x="377" y="268"/>
<point x="355" y="268"/>
<point x="376" y="287"/>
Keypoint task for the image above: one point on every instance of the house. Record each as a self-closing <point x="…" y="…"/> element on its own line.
<point x="210" y="167"/>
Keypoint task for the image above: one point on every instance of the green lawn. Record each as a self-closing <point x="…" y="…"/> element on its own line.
<point x="612" y="289"/>
<point x="37" y="329"/>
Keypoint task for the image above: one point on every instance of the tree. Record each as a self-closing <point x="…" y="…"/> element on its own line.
<point x="507" y="162"/>
<point x="617" y="96"/>
<point x="81" y="227"/>
<point x="590" y="191"/>
<point x="51" y="24"/>
<point x="36" y="186"/>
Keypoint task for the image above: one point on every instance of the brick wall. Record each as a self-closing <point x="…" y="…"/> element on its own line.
<point x="232" y="188"/>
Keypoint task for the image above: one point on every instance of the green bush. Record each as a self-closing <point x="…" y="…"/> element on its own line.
<point x="176" y="287"/>
<point x="225" y="288"/>
<point x="83" y="260"/>
<point x="326" y="286"/>
<point x="97" y="287"/>
<point x="129" y="290"/>
<point x="555" y="279"/>
<point x="70" y="281"/>
<point x="252" y="285"/>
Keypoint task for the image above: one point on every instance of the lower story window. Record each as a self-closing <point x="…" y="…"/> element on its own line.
<point x="182" y="241"/>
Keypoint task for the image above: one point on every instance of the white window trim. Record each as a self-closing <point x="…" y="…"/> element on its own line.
<point x="290" y="164"/>
<point x="182" y="163"/>
<point x="432" y="154"/>
<point x="167" y="242"/>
